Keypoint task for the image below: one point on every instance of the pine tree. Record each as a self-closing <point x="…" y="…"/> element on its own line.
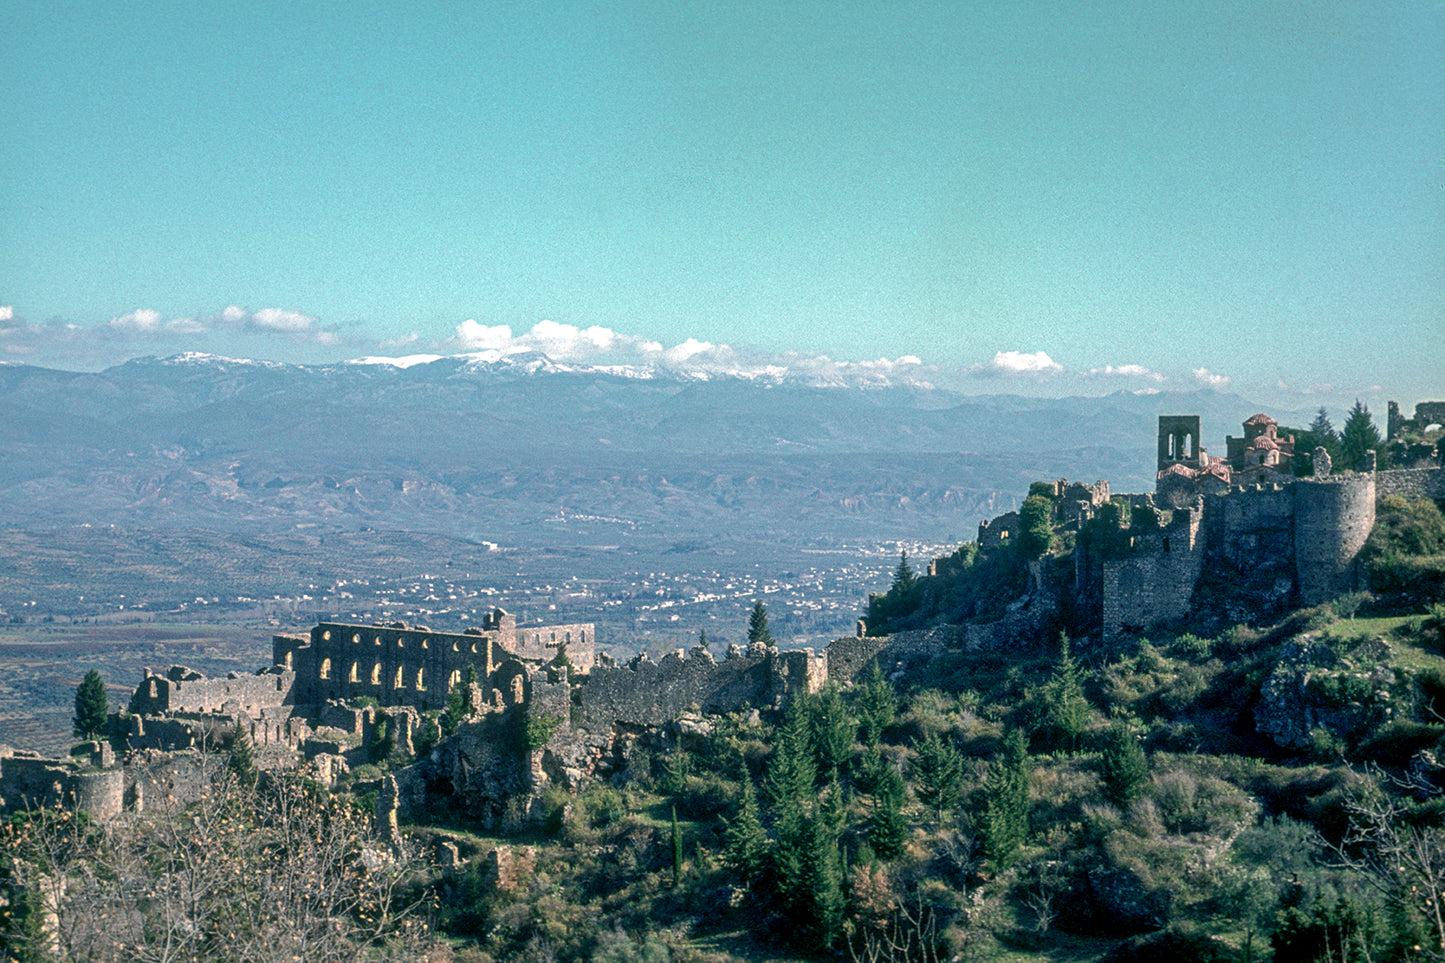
<point x="1358" y="436"/>
<point x="904" y="581"/>
<point x="877" y="706"/>
<point x="938" y="773"/>
<point x="793" y="769"/>
<point x="1068" y="709"/>
<point x="91" y="709"/>
<point x="745" y="843"/>
<point x="702" y="639"/>
<point x="1123" y="768"/>
<point x="825" y="901"/>
<point x="833" y="729"/>
<point x="1006" y="809"/>
<point x="887" y="829"/>
<point x="758" y="633"/>
<point x="243" y="761"/>
<point x="459" y="702"/>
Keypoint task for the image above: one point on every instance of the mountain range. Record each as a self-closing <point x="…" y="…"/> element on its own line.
<point x="491" y="448"/>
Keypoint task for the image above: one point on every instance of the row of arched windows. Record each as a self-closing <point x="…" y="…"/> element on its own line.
<point x="397" y="683"/>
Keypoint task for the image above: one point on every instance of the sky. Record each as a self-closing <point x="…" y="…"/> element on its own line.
<point x="1043" y="198"/>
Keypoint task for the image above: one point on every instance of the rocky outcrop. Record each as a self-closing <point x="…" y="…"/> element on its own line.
<point x="1314" y="688"/>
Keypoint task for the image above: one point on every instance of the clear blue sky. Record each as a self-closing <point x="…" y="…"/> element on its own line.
<point x="1046" y="197"/>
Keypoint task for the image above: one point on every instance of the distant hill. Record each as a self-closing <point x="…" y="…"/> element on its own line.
<point x="488" y="449"/>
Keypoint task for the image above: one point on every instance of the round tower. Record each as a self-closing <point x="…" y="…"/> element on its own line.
<point x="1332" y="518"/>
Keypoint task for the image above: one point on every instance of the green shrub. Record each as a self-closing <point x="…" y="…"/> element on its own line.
<point x="1396" y="743"/>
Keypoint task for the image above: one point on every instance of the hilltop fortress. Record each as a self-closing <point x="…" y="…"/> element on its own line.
<point x="536" y="719"/>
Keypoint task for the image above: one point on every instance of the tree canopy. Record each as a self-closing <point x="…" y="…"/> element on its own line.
<point x="91" y="709"/>
<point x="758" y="631"/>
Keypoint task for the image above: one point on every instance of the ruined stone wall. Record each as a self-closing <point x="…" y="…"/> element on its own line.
<point x="540" y="644"/>
<point x="1411" y="483"/>
<point x="849" y="656"/>
<point x="644" y="692"/>
<point x="998" y="530"/>
<point x="1333" y="517"/>
<point x="30" y="781"/>
<point x="185" y="690"/>
<point x="414" y="666"/>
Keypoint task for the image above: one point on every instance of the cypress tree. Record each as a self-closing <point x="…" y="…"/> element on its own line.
<point x="1358" y="436"/>
<point x="676" y="848"/>
<point x="1068" y="708"/>
<point x="91" y="709"/>
<point x="824" y="898"/>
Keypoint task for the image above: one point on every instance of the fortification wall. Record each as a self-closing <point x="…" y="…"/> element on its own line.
<point x="1333" y="517"/>
<point x="644" y="692"/>
<point x="30" y="781"/>
<point x="1251" y="527"/>
<point x="1155" y="582"/>
<point x="1411" y="483"/>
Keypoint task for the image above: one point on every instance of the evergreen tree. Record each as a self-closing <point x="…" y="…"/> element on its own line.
<point x="887" y="830"/>
<point x="904" y="580"/>
<point x="1036" y="526"/>
<point x="1123" y="768"/>
<point x="1068" y="709"/>
<point x="561" y="662"/>
<point x="833" y="729"/>
<point x="745" y="843"/>
<point x="91" y="709"/>
<point x="1321" y="428"/>
<point x="937" y="773"/>
<point x="702" y="639"/>
<point x="825" y="901"/>
<point x="242" y="761"/>
<point x="758" y="632"/>
<point x="1359" y="436"/>
<point x="877" y="706"/>
<point x="1006" y="809"/>
<point x="676" y="848"/>
<point x="793" y="770"/>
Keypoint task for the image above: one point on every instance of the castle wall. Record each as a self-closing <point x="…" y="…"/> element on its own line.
<point x="1411" y="483"/>
<point x="643" y="692"/>
<point x="1155" y="582"/>
<point x="29" y="781"/>
<point x="1333" y="517"/>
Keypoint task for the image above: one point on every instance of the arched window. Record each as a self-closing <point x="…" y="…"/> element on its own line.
<point x="420" y="680"/>
<point x="351" y="677"/>
<point x="454" y="680"/>
<point x="376" y="674"/>
<point x="325" y="668"/>
<point x="397" y="683"/>
<point x="326" y="635"/>
<point x="356" y="638"/>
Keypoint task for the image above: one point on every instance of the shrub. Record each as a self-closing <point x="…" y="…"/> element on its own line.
<point x="1398" y="742"/>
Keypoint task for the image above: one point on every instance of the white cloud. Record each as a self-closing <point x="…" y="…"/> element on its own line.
<point x="1124" y="371"/>
<point x="1009" y="363"/>
<point x="234" y="314"/>
<point x="688" y="350"/>
<point x="472" y="336"/>
<point x="1209" y="379"/>
<point x="277" y="319"/>
<point x="140" y="321"/>
<point x="187" y="326"/>
<point x="7" y="313"/>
